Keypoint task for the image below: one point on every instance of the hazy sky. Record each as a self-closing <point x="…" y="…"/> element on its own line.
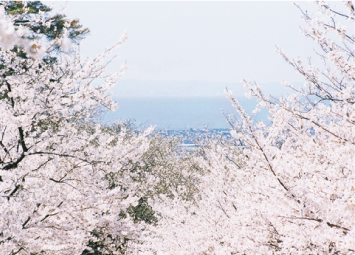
<point x="203" y="41"/>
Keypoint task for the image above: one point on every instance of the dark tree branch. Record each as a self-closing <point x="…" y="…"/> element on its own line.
<point x="14" y="164"/>
<point x="17" y="187"/>
<point x="24" y="224"/>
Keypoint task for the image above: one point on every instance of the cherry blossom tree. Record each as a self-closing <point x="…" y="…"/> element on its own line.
<point x="55" y="161"/>
<point x="285" y="188"/>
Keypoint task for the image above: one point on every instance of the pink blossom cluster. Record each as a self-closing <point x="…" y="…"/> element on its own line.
<point x="284" y="188"/>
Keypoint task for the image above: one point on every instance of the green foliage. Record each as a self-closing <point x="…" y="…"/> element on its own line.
<point x="17" y="9"/>
<point x="100" y="247"/>
<point x="142" y="212"/>
<point x="175" y="170"/>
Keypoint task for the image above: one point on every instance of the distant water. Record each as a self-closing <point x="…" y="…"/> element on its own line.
<point x="180" y="113"/>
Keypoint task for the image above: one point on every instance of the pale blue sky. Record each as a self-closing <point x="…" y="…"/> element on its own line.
<point x="197" y="41"/>
<point x="182" y="55"/>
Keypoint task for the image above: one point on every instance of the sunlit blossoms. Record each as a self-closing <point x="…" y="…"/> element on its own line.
<point x="55" y="161"/>
<point x="67" y="182"/>
<point x="286" y="188"/>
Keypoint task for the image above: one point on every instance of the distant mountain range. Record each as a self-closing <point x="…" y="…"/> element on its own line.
<point x="137" y="88"/>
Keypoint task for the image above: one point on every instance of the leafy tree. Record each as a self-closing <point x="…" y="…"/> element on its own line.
<point x="51" y="27"/>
